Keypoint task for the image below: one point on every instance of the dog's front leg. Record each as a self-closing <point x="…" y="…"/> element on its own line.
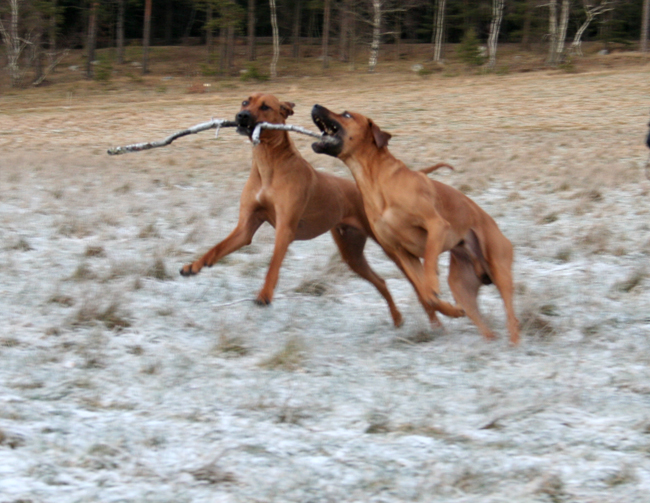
<point x="412" y="268"/>
<point x="284" y="235"/>
<point x="242" y="235"/>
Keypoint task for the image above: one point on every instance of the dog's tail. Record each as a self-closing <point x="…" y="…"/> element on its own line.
<point x="431" y="169"/>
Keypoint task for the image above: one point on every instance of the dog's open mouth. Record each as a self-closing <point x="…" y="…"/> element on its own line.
<point x="245" y="129"/>
<point x="331" y="142"/>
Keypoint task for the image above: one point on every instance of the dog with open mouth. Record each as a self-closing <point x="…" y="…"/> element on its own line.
<point x="414" y="217"/>
<point x="301" y="203"/>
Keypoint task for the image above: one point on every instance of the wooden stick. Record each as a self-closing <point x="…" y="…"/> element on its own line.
<point x="214" y="123"/>
<point x="137" y="147"/>
<point x="285" y="127"/>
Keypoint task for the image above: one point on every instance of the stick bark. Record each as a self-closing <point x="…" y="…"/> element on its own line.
<point x="204" y="126"/>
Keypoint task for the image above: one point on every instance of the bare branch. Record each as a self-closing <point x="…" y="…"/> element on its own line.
<point x="214" y="123"/>
<point x="137" y="147"/>
<point x="50" y="67"/>
<point x="284" y="127"/>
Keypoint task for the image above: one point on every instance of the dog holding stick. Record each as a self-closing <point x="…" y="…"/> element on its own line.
<point x="284" y="190"/>
<point x="414" y="217"/>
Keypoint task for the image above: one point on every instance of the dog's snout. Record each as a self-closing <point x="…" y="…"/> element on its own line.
<point x="243" y="118"/>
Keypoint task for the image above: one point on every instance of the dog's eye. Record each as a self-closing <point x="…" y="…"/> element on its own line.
<point x="264" y="106"/>
<point x="244" y="103"/>
<point x="347" y="115"/>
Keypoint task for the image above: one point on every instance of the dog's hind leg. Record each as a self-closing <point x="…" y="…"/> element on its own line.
<point x="351" y="243"/>
<point x="501" y="273"/>
<point x="464" y="285"/>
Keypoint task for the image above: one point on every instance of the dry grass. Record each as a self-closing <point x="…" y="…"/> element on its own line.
<point x="313" y="287"/>
<point x="232" y="346"/>
<point x="95" y="310"/>
<point x="634" y="280"/>
<point x="289" y="357"/>
<point x="158" y="270"/>
<point x="212" y="474"/>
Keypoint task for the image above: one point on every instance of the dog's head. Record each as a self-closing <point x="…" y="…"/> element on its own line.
<point x="261" y="107"/>
<point x="344" y="133"/>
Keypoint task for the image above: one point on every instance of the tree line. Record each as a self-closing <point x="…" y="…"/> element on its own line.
<point x="37" y="33"/>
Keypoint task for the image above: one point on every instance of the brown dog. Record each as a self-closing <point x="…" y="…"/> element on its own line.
<point x="300" y="202"/>
<point x="413" y="216"/>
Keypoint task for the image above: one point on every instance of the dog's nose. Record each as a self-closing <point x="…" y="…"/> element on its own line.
<point x="243" y="117"/>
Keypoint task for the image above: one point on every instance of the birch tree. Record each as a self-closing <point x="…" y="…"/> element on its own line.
<point x="376" y="34"/>
<point x="564" y="22"/>
<point x="13" y="43"/>
<point x="276" y="40"/>
<point x="591" y="11"/>
<point x="495" y="26"/>
<point x="52" y="31"/>
<point x="438" y="25"/>
<point x="557" y="31"/>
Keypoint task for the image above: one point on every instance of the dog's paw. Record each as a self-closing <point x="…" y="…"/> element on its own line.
<point x="262" y="300"/>
<point x="187" y="270"/>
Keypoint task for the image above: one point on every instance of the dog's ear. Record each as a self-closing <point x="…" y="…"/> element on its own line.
<point x="381" y="137"/>
<point x="286" y="108"/>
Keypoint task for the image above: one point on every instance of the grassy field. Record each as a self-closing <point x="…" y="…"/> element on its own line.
<point x="122" y="381"/>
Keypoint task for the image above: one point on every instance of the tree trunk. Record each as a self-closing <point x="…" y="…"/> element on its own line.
<point x="52" y="33"/>
<point x="209" y="30"/>
<point x="146" y="37"/>
<point x="528" y="17"/>
<point x="343" y="31"/>
<point x="92" y="38"/>
<point x="495" y="26"/>
<point x="169" y="19"/>
<point x="398" y="34"/>
<point x="376" y="35"/>
<point x="120" y="32"/>
<point x="564" y="22"/>
<point x="439" y="23"/>
<point x="251" y="30"/>
<point x="190" y="25"/>
<point x="326" y="33"/>
<point x="223" y="48"/>
<point x="576" y="45"/>
<point x="14" y="46"/>
<point x="231" y="46"/>
<point x="296" y="29"/>
<point x="353" y="36"/>
<point x="552" y="32"/>
<point x="37" y="54"/>
<point x="276" y="40"/>
<point x="644" y="26"/>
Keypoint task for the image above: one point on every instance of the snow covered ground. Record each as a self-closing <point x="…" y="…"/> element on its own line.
<point x="121" y="381"/>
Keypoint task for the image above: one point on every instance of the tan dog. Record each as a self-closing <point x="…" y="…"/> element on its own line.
<point x="300" y="202"/>
<point x="413" y="216"/>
